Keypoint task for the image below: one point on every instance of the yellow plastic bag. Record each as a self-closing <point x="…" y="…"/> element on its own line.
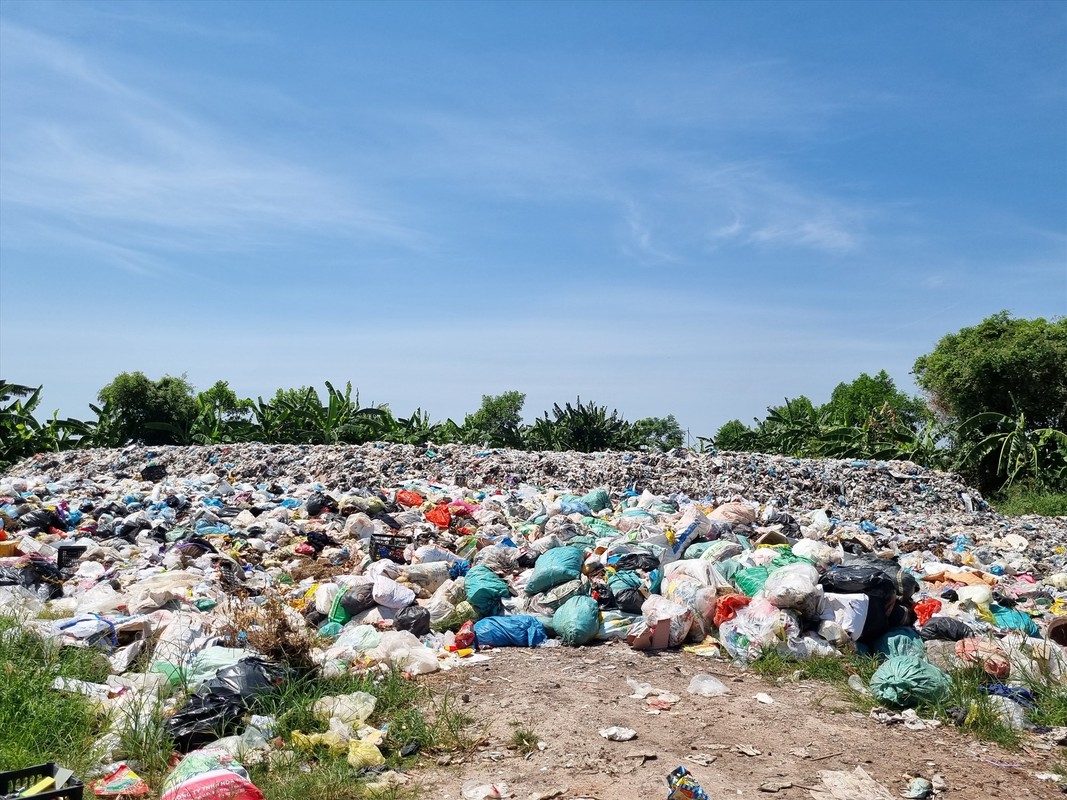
<point x="362" y="755"/>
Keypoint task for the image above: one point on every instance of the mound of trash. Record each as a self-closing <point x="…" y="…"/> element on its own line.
<point x="217" y="569"/>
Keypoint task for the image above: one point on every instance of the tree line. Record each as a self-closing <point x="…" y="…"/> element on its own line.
<point x="995" y="409"/>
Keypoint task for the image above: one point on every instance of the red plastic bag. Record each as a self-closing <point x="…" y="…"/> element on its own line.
<point x="440" y="516"/>
<point x="925" y="609"/>
<point x="465" y="636"/>
<point x="727" y="606"/>
<point x="409" y="499"/>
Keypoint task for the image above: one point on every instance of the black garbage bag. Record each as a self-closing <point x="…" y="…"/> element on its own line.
<point x="358" y="599"/>
<point x="906" y="583"/>
<point x="629" y="600"/>
<point x="646" y="562"/>
<point x="40" y="577"/>
<point x="873" y="582"/>
<point x="413" y="618"/>
<point x="319" y="502"/>
<point x="320" y="541"/>
<point x="154" y="472"/>
<point x="42" y="519"/>
<point x="217" y="707"/>
<point x="948" y="629"/>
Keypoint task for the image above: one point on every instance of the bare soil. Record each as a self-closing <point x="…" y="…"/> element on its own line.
<point x="566" y="695"/>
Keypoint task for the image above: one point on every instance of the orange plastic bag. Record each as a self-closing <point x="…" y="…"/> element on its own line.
<point x="925" y="609"/>
<point x="727" y="606"/>
<point x="440" y="516"/>
<point x="409" y="499"/>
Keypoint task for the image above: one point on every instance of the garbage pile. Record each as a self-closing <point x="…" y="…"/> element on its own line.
<point x="238" y="561"/>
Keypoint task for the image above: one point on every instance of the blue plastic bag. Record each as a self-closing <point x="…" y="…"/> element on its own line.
<point x="518" y="631"/>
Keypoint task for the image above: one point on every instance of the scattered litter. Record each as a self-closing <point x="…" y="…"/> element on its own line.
<point x="617" y="734"/>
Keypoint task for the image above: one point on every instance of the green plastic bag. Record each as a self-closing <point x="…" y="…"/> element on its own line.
<point x="558" y="565"/>
<point x="484" y="590"/>
<point x="464" y="612"/>
<point x="751" y="580"/>
<point x="901" y="642"/>
<point x="577" y="621"/>
<point x="597" y="500"/>
<point x="905" y="681"/>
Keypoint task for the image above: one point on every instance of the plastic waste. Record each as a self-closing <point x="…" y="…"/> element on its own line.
<point x="515" y="631"/>
<point x="209" y="775"/>
<point x="904" y="681"/>
<point x="683" y="786"/>
<point x="577" y="621"/>
<point x="707" y="686"/>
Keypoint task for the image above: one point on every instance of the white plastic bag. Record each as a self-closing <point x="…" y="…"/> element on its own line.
<point x="391" y="594"/>
<point x="848" y="611"/>
<point x="794" y="586"/>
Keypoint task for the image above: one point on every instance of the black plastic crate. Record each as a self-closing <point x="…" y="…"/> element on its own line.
<point x="388" y="547"/>
<point x="11" y="783"/>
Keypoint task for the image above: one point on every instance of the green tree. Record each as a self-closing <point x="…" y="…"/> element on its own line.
<point x="1003" y="365"/>
<point x="854" y="403"/>
<point x="657" y="433"/>
<point x="585" y="427"/>
<point x="734" y="435"/>
<point x="497" y="422"/>
<point x="136" y="400"/>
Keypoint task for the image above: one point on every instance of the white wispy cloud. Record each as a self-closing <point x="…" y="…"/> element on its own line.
<point x="86" y="148"/>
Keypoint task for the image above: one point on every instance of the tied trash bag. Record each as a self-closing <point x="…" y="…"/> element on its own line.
<point x="577" y="621"/>
<point x="559" y="565"/>
<point x="318" y="503"/>
<point x="872" y="582"/>
<point x="904" y="681"/>
<point x="218" y="705"/>
<point x="518" y="631"/>
<point x="794" y="586"/>
<point x="387" y="592"/>
<point x="357" y="599"/>
<point x="415" y="619"/>
<point x="628" y="589"/>
<point x="948" y="629"/>
<point x="484" y="591"/>
<point x="209" y="775"/>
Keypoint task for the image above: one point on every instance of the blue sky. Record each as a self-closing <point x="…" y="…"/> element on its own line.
<point x="692" y="208"/>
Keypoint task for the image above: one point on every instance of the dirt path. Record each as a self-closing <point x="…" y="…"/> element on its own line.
<point x="567" y="695"/>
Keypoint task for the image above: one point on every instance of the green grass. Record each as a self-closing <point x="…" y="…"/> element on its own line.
<point x="38" y="723"/>
<point x="523" y="739"/>
<point x="1019" y="500"/>
<point x="980" y="714"/>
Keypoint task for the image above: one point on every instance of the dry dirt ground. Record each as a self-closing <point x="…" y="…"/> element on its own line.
<point x="567" y="695"/>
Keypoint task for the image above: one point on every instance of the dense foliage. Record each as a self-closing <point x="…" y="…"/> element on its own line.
<point x="997" y="412"/>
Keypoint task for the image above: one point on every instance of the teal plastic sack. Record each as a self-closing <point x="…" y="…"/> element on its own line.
<point x="905" y="681"/>
<point x="558" y="565"/>
<point x="484" y="590"/>
<point x="900" y="642"/>
<point x="597" y="500"/>
<point x="577" y="621"/>
<point x="518" y="631"/>
<point x="751" y="580"/>
<point x="729" y="568"/>
<point x="696" y="550"/>
<point x="1014" y="620"/>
